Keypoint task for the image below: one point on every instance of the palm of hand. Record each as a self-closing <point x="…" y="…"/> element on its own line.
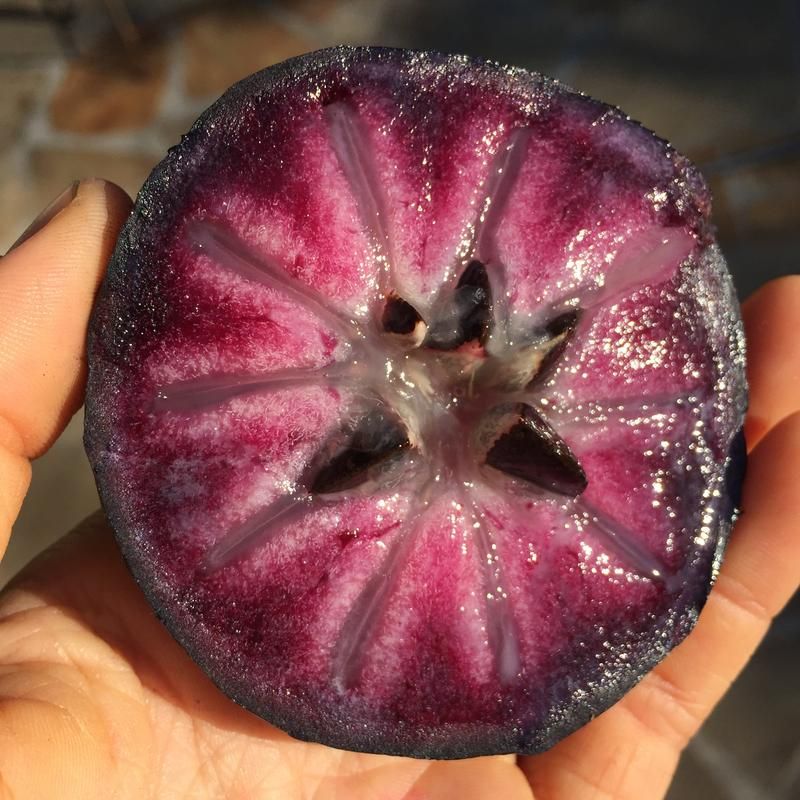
<point x="92" y="684"/>
<point x="134" y="717"/>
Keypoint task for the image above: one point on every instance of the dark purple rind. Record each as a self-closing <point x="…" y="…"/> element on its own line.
<point x="735" y="473"/>
<point x="116" y="340"/>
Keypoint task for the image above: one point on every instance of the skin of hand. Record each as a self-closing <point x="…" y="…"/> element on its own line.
<point x="97" y="701"/>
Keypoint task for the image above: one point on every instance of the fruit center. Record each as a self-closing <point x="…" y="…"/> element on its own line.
<point x="440" y="390"/>
<point x="448" y="395"/>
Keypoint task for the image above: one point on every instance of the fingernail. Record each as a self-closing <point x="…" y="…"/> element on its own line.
<point x="59" y="204"/>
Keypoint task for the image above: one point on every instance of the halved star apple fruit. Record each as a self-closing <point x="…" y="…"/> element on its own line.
<point x="415" y="401"/>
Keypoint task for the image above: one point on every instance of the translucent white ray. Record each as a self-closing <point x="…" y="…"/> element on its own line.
<point x="354" y="153"/>
<point x="621" y="541"/>
<point x="497" y="191"/>
<point x="620" y="409"/>
<point x="648" y="258"/>
<point x="196" y="393"/>
<point x="258" y="529"/>
<point x="230" y="252"/>
<point x="370" y="605"/>
<point x="501" y="630"/>
<point x="503" y="176"/>
<point x="348" y="654"/>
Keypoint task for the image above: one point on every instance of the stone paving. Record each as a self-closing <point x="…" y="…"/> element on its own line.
<point x="719" y="79"/>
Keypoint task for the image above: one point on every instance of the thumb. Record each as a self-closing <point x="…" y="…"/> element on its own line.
<point x="47" y="286"/>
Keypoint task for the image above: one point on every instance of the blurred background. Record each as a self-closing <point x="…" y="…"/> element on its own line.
<point x="104" y="87"/>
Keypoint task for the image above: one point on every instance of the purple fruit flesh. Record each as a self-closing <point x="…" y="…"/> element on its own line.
<point x="415" y="398"/>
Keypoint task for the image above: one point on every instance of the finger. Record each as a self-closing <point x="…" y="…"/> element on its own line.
<point x="631" y="751"/>
<point x="47" y="285"/>
<point x="770" y="318"/>
<point x="359" y="777"/>
<point x="760" y="574"/>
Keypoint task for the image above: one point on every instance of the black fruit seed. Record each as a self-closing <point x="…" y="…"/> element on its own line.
<point x="563" y="323"/>
<point x="400" y="317"/>
<point x="470" y="314"/>
<point x="474" y="295"/>
<point x="377" y="437"/>
<point x="530" y="449"/>
<point x="559" y="330"/>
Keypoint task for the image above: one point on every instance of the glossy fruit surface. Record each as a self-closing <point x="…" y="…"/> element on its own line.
<point x="416" y="389"/>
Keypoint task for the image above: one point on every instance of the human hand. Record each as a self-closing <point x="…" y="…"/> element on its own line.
<point x="97" y="701"/>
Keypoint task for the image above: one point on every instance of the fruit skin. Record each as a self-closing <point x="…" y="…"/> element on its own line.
<point x="131" y="316"/>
